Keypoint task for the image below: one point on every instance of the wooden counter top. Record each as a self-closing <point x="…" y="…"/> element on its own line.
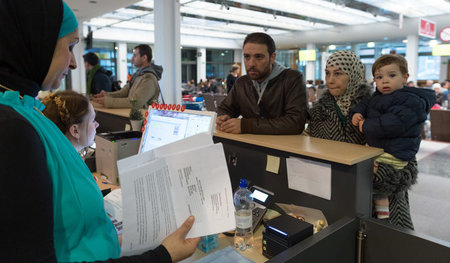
<point x="345" y="153"/>
<point x="103" y="184"/>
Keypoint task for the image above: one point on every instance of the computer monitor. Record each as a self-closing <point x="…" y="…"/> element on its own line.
<point x="166" y="126"/>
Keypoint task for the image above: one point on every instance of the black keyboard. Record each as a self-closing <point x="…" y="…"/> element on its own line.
<point x="258" y="214"/>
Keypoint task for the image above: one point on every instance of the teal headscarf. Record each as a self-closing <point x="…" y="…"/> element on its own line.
<point x="69" y="22"/>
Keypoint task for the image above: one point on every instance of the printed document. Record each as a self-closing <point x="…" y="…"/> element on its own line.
<point x="309" y="176"/>
<point x="160" y="193"/>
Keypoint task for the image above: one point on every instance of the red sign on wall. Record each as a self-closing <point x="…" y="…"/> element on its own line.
<point x="427" y="28"/>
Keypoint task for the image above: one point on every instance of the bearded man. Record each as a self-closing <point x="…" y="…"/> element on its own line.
<point x="271" y="98"/>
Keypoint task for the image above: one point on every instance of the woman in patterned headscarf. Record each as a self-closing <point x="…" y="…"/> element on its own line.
<point x="344" y="80"/>
<point x="328" y="119"/>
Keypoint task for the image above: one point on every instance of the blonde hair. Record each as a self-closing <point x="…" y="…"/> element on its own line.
<point x="66" y="108"/>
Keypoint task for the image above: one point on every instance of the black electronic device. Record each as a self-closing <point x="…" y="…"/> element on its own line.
<point x="283" y="232"/>
<point x="262" y="198"/>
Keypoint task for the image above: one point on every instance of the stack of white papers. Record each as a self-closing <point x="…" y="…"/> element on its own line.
<point x="163" y="187"/>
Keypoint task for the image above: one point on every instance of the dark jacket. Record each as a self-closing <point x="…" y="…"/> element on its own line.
<point x="282" y="109"/>
<point x="230" y="82"/>
<point x="101" y="81"/>
<point x="394" y="121"/>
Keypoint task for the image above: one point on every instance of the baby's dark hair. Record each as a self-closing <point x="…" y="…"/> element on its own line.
<point x="388" y="60"/>
<point x="65" y="108"/>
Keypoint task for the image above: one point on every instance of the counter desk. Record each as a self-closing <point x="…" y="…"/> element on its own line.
<point x="351" y="169"/>
<point x="112" y="120"/>
<point x="349" y="210"/>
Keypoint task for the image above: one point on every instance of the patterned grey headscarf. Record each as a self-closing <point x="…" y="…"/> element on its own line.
<point x="348" y="62"/>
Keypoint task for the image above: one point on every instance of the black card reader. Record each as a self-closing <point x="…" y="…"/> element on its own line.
<point x="262" y="198"/>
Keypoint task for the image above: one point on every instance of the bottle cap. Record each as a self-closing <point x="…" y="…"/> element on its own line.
<point x="243" y="183"/>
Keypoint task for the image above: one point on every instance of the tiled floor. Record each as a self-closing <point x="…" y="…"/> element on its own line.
<point x="430" y="197"/>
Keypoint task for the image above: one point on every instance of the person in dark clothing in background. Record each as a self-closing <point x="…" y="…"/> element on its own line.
<point x="232" y="77"/>
<point x="98" y="78"/>
<point x="116" y="85"/>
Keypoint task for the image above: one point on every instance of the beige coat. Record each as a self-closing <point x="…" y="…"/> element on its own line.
<point x="145" y="90"/>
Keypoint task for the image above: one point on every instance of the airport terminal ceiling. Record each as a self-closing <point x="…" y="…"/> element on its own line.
<point x="292" y="23"/>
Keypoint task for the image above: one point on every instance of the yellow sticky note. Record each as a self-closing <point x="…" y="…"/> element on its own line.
<point x="273" y="164"/>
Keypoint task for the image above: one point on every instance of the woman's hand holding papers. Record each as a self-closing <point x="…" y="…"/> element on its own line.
<point x="176" y="243"/>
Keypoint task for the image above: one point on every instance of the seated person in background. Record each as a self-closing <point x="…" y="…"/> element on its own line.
<point x="392" y="118"/>
<point x="439" y="91"/>
<point x="211" y="86"/>
<point x="98" y="78"/>
<point x="410" y="84"/>
<point x="116" y="85"/>
<point x="446" y="87"/>
<point x="270" y="98"/>
<point x="311" y="95"/>
<point x="220" y="86"/>
<point x="320" y="88"/>
<point x="429" y="84"/>
<point x="143" y="85"/>
<point x="74" y="116"/>
<point x="187" y="88"/>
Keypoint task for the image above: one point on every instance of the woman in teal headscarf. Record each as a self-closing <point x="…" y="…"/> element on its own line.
<point x="52" y="207"/>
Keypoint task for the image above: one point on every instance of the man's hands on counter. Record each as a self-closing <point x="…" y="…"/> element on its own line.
<point x="227" y="124"/>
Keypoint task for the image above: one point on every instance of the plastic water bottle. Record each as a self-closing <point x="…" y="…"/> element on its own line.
<point x="243" y="202"/>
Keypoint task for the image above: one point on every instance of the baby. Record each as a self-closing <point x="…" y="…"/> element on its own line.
<point x="392" y="118"/>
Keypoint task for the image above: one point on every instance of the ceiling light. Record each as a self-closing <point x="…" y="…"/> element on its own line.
<point x="370" y="44"/>
<point x="321" y="9"/>
<point x="204" y="9"/>
<point x="405" y="41"/>
<point x="331" y="47"/>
